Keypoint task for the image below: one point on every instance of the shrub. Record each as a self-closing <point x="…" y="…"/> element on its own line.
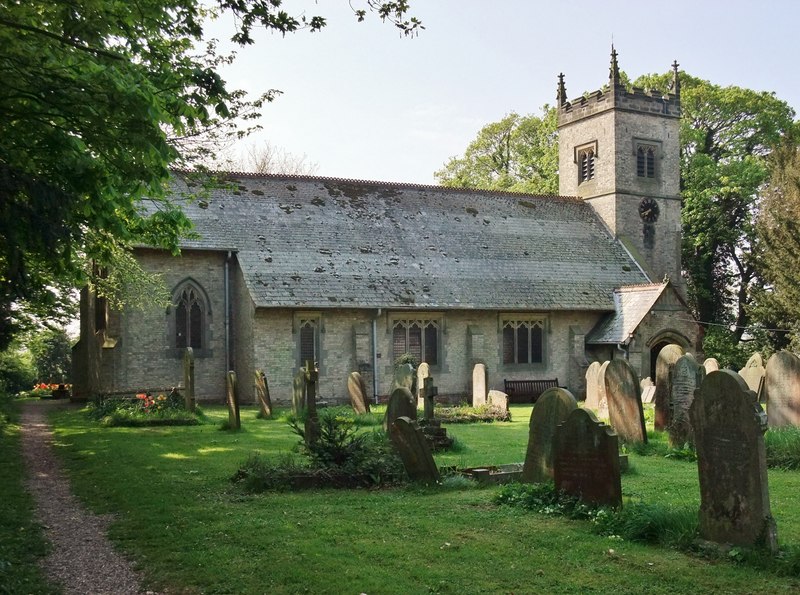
<point x="543" y="498"/>
<point x="648" y="523"/>
<point x="145" y="410"/>
<point x="467" y="414"/>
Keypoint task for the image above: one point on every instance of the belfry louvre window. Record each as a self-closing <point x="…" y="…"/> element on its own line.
<point x="309" y="340"/>
<point x="585" y="165"/>
<point x="419" y="338"/>
<point x="646" y="162"/>
<point x="523" y="341"/>
<point x="189" y="323"/>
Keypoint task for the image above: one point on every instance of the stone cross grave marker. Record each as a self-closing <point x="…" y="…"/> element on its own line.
<point x="602" y="399"/>
<point x="429" y="393"/>
<point x="423" y="371"/>
<point x="299" y="392"/>
<point x="312" y="420"/>
<point x="412" y="446"/>
<point x="262" y="393"/>
<point x="188" y="380"/>
<point x="624" y="401"/>
<point x="479" y="382"/>
<point x="753" y="374"/>
<point x="782" y="382"/>
<point x="586" y="459"/>
<point x="498" y="399"/>
<point x="686" y="378"/>
<point x="401" y="404"/>
<point x="358" y="393"/>
<point x="234" y="420"/>
<point x="664" y="363"/>
<point x="551" y="409"/>
<point x="711" y="364"/>
<point x="729" y="427"/>
<point x="592" y="386"/>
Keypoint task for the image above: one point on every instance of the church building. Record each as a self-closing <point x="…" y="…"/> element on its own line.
<point x="354" y="274"/>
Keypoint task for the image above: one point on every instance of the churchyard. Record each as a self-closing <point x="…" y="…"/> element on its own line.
<point x="691" y="506"/>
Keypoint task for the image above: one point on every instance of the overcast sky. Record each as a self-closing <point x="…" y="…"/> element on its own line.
<point x="363" y="102"/>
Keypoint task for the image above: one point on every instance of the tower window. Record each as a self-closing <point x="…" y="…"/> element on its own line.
<point x="585" y="165"/>
<point x="646" y="161"/>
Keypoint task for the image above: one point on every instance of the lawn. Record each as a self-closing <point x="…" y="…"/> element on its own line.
<point x="192" y="531"/>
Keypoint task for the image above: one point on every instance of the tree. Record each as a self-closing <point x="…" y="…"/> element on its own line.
<point x="99" y="101"/>
<point x="518" y="153"/>
<point x="267" y="158"/>
<point x="777" y="306"/>
<point x="51" y="352"/>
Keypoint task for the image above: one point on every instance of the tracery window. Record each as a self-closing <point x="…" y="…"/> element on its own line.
<point x="646" y="162"/>
<point x="585" y="165"/>
<point x="308" y="346"/>
<point x="523" y="341"/>
<point x="419" y="338"/>
<point x="190" y="313"/>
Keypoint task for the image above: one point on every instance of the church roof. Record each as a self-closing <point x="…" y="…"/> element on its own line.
<point x="631" y="305"/>
<point x="329" y="243"/>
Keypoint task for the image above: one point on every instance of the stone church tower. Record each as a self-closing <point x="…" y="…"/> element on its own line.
<point x="619" y="150"/>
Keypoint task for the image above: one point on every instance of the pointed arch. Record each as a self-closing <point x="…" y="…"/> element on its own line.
<point x="190" y="315"/>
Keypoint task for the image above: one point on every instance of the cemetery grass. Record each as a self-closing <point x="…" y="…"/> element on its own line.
<point x="191" y="530"/>
<point x="21" y="538"/>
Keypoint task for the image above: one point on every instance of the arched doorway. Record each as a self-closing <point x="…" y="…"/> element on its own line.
<point x="658" y="342"/>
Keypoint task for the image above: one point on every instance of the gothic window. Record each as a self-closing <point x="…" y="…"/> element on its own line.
<point x="585" y="165"/>
<point x="190" y="318"/>
<point x="523" y="341"/>
<point x="308" y="346"/>
<point x="646" y="161"/>
<point x="419" y="338"/>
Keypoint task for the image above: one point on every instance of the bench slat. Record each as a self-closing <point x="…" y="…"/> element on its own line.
<point x="527" y="391"/>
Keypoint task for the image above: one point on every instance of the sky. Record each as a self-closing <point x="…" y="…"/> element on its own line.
<point x="362" y="102"/>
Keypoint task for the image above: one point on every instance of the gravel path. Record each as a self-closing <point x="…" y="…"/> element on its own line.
<point x="82" y="559"/>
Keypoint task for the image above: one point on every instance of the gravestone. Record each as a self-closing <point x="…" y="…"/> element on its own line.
<point x="428" y="393"/>
<point x="782" y="383"/>
<point x="423" y="371"/>
<point x="234" y="420"/>
<point x="551" y="409"/>
<point x="711" y="364"/>
<point x="592" y="386"/>
<point x="649" y="393"/>
<point x="405" y="377"/>
<point x="311" y="374"/>
<point x="412" y="446"/>
<point x="602" y="400"/>
<point x="262" y="392"/>
<point x="479" y="382"/>
<point x="664" y="363"/>
<point x="299" y="392"/>
<point x="586" y="459"/>
<point x="753" y="374"/>
<point x="624" y="401"/>
<point x="687" y="375"/>
<point x="729" y="427"/>
<point x="358" y="393"/>
<point x="498" y="399"/>
<point x="646" y="383"/>
<point x="189" y="401"/>
<point x="401" y="404"/>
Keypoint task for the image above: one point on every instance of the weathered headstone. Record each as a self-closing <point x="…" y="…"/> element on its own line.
<point x="404" y="376"/>
<point x="551" y="409"/>
<point x="262" y="392"/>
<point x="299" y="392"/>
<point x="234" y="420"/>
<point x="592" y="386"/>
<point x="312" y="420"/>
<point x="753" y="375"/>
<point x="664" y="363"/>
<point x="358" y="393"/>
<point x="479" y="382"/>
<point x="648" y="394"/>
<point x="423" y="371"/>
<point x="602" y="400"/>
<point x="586" y="459"/>
<point x="624" y="401"/>
<point x="782" y="382"/>
<point x="401" y="404"/>
<point x="711" y="364"/>
<point x="498" y="399"/>
<point x="729" y="427"/>
<point x="188" y="380"/>
<point x="687" y="375"/>
<point x="412" y="446"/>
<point x="429" y="393"/>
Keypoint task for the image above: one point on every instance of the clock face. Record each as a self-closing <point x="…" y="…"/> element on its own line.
<point x="648" y="210"/>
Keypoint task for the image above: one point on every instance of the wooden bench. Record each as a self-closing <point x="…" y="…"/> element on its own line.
<point x="527" y="391"/>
